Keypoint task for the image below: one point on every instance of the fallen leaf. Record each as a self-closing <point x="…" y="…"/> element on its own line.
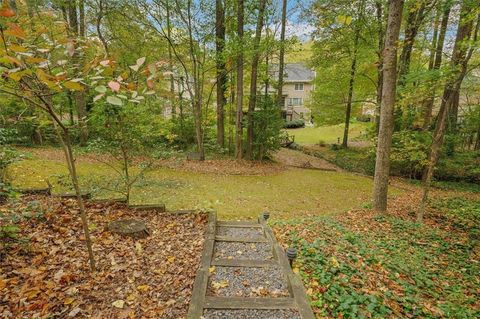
<point x="118" y="304"/>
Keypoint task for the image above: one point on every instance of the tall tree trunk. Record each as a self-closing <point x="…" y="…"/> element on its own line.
<point x="80" y="100"/>
<point x="427" y="113"/>
<point x="221" y="70"/>
<point x="414" y="20"/>
<point x="382" y="164"/>
<point x="427" y="118"/>
<point x="353" y="71"/>
<point x="281" y="64"/>
<point x="81" y="10"/>
<point x="239" y="129"/>
<point x="253" y="81"/>
<point x="381" y="43"/>
<point x="459" y="63"/>
<point x="170" y="62"/>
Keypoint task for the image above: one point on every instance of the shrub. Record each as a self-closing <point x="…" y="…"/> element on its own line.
<point x="409" y="153"/>
<point x="294" y="124"/>
<point x="267" y="128"/>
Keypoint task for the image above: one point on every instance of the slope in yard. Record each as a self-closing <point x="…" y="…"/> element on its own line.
<point x="284" y="192"/>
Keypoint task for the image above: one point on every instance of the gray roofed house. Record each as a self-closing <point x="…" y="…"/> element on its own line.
<point x="297" y="88"/>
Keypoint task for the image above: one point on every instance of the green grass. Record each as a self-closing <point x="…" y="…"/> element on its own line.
<point x="327" y="134"/>
<point x="291" y="193"/>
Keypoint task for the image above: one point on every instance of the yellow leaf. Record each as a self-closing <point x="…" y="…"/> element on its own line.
<point x="211" y="269"/>
<point x="118" y="304"/>
<point x="296" y="270"/>
<point x="143" y="287"/>
<point x="73" y="86"/>
<point x="220" y="284"/>
<point x="171" y="259"/>
<point x="35" y="60"/>
<point x="68" y="301"/>
<point x="131" y="297"/>
<point x="138" y="248"/>
<point x="17" y="48"/>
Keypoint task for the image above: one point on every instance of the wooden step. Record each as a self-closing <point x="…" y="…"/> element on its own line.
<point x="235" y="223"/>
<point x="248" y="303"/>
<point x="241" y="239"/>
<point x="244" y="263"/>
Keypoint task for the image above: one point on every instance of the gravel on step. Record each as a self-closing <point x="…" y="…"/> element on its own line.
<point x="241" y="232"/>
<point x="250" y="314"/>
<point x="247" y="282"/>
<point x="237" y="250"/>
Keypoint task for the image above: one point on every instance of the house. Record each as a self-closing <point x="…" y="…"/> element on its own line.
<point x="297" y="89"/>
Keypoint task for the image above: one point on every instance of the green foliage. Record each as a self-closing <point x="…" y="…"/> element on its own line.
<point x="389" y="266"/>
<point x="294" y="124"/>
<point x="409" y="153"/>
<point x="267" y="128"/>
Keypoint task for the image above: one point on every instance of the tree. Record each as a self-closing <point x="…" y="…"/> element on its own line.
<point x="382" y="163"/>
<point x="239" y="67"/>
<point x="221" y="70"/>
<point x="253" y="78"/>
<point x="353" y="71"/>
<point x="281" y="64"/>
<point x="462" y="52"/>
<point x="437" y="61"/>
<point x="28" y="80"/>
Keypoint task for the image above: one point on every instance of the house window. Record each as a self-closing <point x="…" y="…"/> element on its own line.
<point x="298" y="86"/>
<point x="295" y="101"/>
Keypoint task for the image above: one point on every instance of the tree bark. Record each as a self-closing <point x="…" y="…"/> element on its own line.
<point x="170" y="62"/>
<point x="381" y="42"/>
<point x="239" y="129"/>
<point x="459" y="63"/>
<point x="221" y="70"/>
<point x="427" y="118"/>
<point x="414" y="20"/>
<point x="281" y="64"/>
<point x="254" y="75"/>
<point x="382" y="164"/>
<point x="79" y="96"/>
<point x="353" y="71"/>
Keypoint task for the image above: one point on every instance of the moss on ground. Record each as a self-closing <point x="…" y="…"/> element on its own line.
<point x="290" y="193"/>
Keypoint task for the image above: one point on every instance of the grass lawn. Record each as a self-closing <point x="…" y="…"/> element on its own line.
<point x="287" y="193"/>
<point x="327" y="134"/>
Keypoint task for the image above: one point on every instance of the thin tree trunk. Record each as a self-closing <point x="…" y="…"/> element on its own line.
<point x="239" y="130"/>
<point x="353" y="71"/>
<point x="414" y="20"/>
<point x="427" y="111"/>
<point x="81" y="9"/>
<point x="170" y="62"/>
<point x="281" y="64"/>
<point x="221" y="71"/>
<point x="80" y="101"/>
<point x="382" y="164"/>
<point x="100" y="16"/>
<point x="64" y="136"/>
<point x="459" y="63"/>
<point x="436" y="65"/>
<point x="253" y="81"/>
<point x="381" y="43"/>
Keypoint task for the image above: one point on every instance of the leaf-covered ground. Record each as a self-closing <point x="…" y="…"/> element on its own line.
<point x="234" y="190"/>
<point x="364" y="265"/>
<point x="44" y="271"/>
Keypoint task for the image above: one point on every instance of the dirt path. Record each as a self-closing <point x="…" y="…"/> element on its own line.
<point x="294" y="158"/>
